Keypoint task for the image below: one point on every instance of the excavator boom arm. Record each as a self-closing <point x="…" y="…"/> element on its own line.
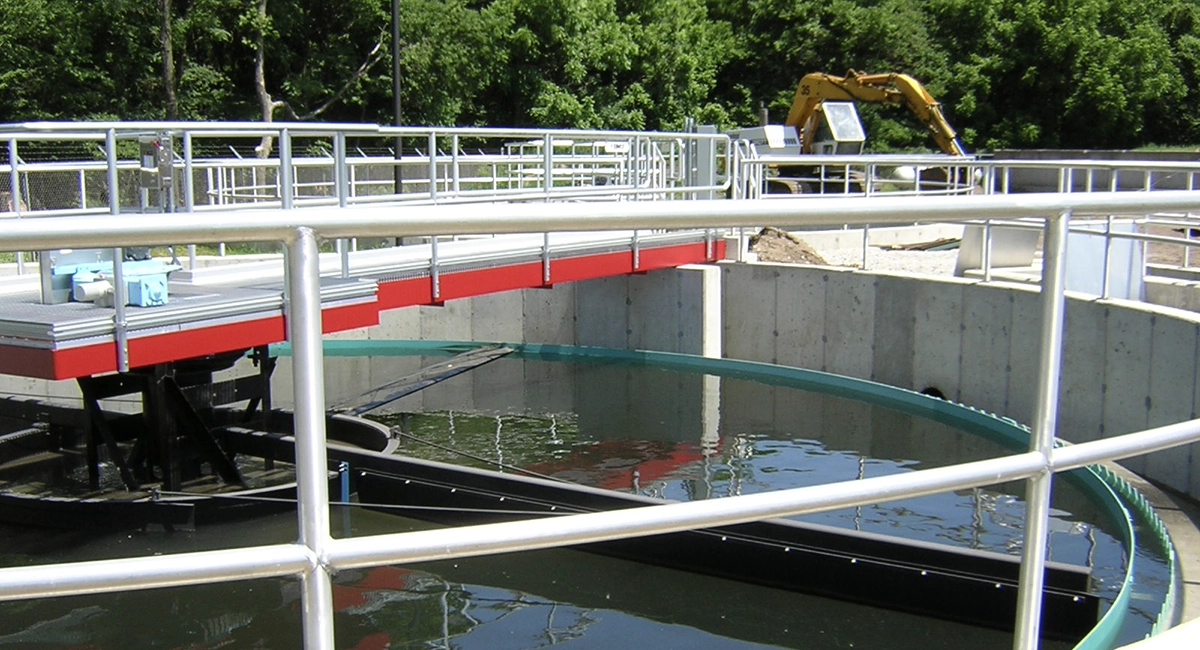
<point x="891" y="88"/>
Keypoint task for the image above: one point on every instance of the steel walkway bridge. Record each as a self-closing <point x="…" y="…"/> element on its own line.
<point x="479" y="210"/>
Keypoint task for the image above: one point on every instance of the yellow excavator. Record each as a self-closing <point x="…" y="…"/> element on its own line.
<point x="890" y="88"/>
<point x="823" y="120"/>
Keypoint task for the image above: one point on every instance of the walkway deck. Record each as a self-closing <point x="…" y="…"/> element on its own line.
<point x="241" y="305"/>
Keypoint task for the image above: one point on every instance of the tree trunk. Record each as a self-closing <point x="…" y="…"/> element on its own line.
<point x="168" y="61"/>
<point x="265" y="102"/>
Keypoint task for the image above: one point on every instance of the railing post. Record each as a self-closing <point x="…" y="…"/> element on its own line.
<point x="341" y="184"/>
<point x="120" y="323"/>
<point x="454" y="164"/>
<point x="1037" y="494"/>
<point x="548" y="164"/>
<point x="189" y="190"/>
<point x="432" y="144"/>
<point x="14" y="187"/>
<point x="308" y="378"/>
<point x="286" y="184"/>
<point x="985" y="256"/>
<point x="866" y="234"/>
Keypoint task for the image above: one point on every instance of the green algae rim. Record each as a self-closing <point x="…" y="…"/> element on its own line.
<point x="1100" y="483"/>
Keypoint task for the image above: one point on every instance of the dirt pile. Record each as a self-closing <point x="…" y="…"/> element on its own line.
<point x="775" y="245"/>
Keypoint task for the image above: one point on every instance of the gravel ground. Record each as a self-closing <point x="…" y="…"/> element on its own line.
<point x="924" y="262"/>
<point x="774" y="245"/>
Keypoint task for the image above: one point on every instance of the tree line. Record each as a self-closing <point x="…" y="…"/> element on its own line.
<point x="1009" y="73"/>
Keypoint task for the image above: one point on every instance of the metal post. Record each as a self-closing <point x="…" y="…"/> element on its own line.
<point x="435" y="280"/>
<point x="1037" y="495"/>
<point x="120" y="323"/>
<point x="546" y="258"/>
<point x="397" y="169"/>
<point x="14" y="187"/>
<point x="454" y="161"/>
<point x="986" y="255"/>
<point x="432" y="166"/>
<point x="866" y="232"/>
<point x="189" y="190"/>
<point x="341" y="189"/>
<point x="308" y="379"/>
<point x="286" y="184"/>
<point x="547" y="164"/>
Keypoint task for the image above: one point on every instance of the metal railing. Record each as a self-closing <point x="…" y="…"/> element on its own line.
<point x="317" y="555"/>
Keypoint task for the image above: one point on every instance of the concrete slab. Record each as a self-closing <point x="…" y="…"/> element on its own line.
<point x="800" y="317"/>
<point x="1173" y="364"/>
<point x="700" y="310"/>
<point x="655" y="318"/>
<point x="397" y="324"/>
<point x="602" y="312"/>
<point x="895" y="321"/>
<point x="986" y="328"/>
<point x="1127" y="374"/>
<point x="749" y="331"/>
<point x="549" y="315"/>
<point x="849" y="323"/>
<point x="498" y="317"/>
<point x="449" y="322"/>
<point x="938" y="337"/>
<point x="1024" y="355"/>
<point x="1081" y="393"/>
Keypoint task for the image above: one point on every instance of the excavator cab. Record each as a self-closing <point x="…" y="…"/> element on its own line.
<point x="839" y="131"/>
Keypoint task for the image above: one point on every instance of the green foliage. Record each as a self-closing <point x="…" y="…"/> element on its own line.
<point x="1009" y="73"/>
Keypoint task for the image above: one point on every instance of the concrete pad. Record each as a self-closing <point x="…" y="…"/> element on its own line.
<point x="655" y="307"/>
<point x="497" y="317"/>
<point x="800" y="317"/>
<point x="1173" y="364"/>
<point x="986" y="331"/>
<point x="1024" y="355"/>
<point x="938" y="336"/>
<point x="700" y="310"/>
<point x="449" y="322"/>
<point x="398" y="324"/>
<point x="849" y="323"/>
<point x="602" y="312"/>
<point x="1127" y="374"/>
<point x="1081" y="392"/>
<point x="749" y="331"/>
<point x="895" y="320"/>
<point x="549" y="315"/>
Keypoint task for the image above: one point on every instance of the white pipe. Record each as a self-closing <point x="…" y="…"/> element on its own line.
<point x="308" y="379"/>
<point x="332" y="222"/>
<point x="103" y="576"/>
<point x="1041" y="441"/>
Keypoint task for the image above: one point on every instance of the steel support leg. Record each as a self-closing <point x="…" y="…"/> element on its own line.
<point x="1037" y="498"/>
<point x="304" y="332"/>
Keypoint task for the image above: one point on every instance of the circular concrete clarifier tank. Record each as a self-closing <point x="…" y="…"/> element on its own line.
<point x="685" y="427"/>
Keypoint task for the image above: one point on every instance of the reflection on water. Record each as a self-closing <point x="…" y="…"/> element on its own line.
<point x="664" y="434"/>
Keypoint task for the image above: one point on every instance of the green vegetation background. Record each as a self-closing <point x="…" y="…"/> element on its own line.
<point x="1010" y="73"/>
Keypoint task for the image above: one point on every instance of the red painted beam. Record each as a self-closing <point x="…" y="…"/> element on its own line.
<point x="161" y="347"/>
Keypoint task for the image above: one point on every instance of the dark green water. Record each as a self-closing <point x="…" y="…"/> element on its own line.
<point x="673" y="435"/>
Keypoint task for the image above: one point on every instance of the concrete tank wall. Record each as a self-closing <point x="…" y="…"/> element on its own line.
<point x="1127" y="366"/>
<point x="671" y="310"/>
